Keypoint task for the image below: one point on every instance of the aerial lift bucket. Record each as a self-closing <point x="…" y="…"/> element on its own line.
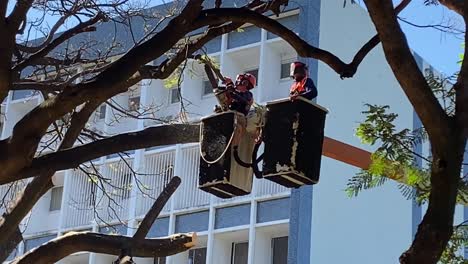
<point x="220" y="174"/>
<point x="293" y="137"/>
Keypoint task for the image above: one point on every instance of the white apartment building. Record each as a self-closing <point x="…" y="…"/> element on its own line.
<point x="272" y="225"/>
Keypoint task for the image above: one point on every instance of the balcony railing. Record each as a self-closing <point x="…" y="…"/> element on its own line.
<point x="158" y="170"/>
<point x="79" y="200"/>
<point x="188" y="195"/>
<point x="85" y="200"/>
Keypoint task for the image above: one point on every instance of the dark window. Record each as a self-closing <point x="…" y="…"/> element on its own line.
<point x="285" y="67"/>
<point x="102" y="111"/>
<point x="134" y="103"/>
<point x="207" y="87"/>
<point x="161" y="260"/>
<point x="197" y="256"/>
<point x="55" y="198"/>
<point x="37" y="241"/>
<point x="254" y="73"/>
<point x="280" y="250"/>
<point x="175" y="96"/>
<point x="240" y="253"/>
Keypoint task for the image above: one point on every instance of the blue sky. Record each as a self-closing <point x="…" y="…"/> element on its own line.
<point x="440" y="49"/>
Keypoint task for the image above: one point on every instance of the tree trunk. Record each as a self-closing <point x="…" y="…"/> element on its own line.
<point x="435" y="230"/>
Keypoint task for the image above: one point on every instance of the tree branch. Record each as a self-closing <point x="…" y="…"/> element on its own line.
<point x="455" y="5"/>
<point x="18" y="150"/>
<point x="150" y="217"/>
<point x="72" y="157"/>
<point x="80" y="28"/>
<point x="304" y="49"/>
<point x="18" y="15"/>
<point x="411" y="79"/>
<point x="35" y="189"/>
<point x="106" y="244"/>
<point x="156" y="209"/>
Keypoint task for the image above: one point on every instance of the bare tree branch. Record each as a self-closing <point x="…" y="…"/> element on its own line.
<point x="80" y="28"/>
<point x="10" y="221"/>
<point x="106" y="244"/>
<point x="150" y="217"/>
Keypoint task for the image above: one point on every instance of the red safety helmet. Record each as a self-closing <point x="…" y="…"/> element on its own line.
<point x="298" y="68"/>
<point x="247" y="80"/>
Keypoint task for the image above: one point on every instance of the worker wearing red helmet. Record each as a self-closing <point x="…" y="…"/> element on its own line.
<point x="302" y="86"/>
<point x="241" y="98"/>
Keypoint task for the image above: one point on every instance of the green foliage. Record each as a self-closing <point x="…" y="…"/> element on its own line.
<point x="459" y="240"/>
<point x="379" y="127"/>
<point x="443" y="89"/>
<point x="394" y="159"/>
<point x="173" y="80"/>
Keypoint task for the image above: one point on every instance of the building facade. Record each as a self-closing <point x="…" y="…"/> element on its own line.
<point x="272" y="225"/>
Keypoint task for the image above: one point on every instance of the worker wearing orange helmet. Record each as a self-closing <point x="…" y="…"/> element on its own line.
<point x="302" y="86"/>
<point x="240" y="97"/>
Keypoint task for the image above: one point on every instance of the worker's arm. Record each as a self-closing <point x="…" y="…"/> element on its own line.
<point x="310" y="90"/>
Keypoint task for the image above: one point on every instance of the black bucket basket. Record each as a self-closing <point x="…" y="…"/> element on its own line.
<point x="293" y="138"/>
<point x="220" y="174"/>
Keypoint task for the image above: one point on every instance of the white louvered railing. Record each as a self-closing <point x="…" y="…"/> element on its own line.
<point x="158" y="170"/>
<point x="116" y="191"/>
<point x="80" y="200"/>
<point x="188" y="195"/>
<point x="84" y="196"/>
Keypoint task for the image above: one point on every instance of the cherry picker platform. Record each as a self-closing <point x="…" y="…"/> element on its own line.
<point x="292" y="134"/>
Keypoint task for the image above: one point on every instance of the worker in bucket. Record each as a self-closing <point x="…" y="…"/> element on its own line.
<point x="302" y="86"/>
<point x="240" y="97"/>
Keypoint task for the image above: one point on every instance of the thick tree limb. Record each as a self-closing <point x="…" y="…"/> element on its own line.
<point x="455" y="5"/>
<point x="411" y="79"/>
<point x="106" y="244"/>
<point x="149" y="137"/>
<point x="35" y="189"/>
<point x="437" y="226"/>
<point x="149" y="219"/>
<point x="124" y="246"/>
<point x="18" y="15"/>
<point x="304" y="49"/>
<point x="7" y="248"/>
<point x="156" y="209"/>
<point x="29" y="130"/>
<point x="461" y="89"/>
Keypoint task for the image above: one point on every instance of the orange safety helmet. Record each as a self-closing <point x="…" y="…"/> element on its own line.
<point x="251" y="80"/>
<point x="298" y="67"/>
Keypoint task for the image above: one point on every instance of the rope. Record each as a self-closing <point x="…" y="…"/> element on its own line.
<point x="227" y="146"/>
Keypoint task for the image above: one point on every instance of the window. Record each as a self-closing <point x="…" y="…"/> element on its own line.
<point x="254" y="73"/>
<point x="37" y="241"/>
<point x="197" y="256"/>
<point x="207" y="87"/>
<point x="134" y="103"/>
<point x="285" y="68"/>
<point x="56" y="198"/>
<point x="280" y="250"/>
<point x="240" y="253"/>
<point x="175" y="96"/>
<point x="161" y="260"/>
<point x="21" y="94"/>
<point x="102" y="112"/>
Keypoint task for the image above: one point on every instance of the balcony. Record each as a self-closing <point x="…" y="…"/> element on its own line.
<point x="86" y="202"/>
